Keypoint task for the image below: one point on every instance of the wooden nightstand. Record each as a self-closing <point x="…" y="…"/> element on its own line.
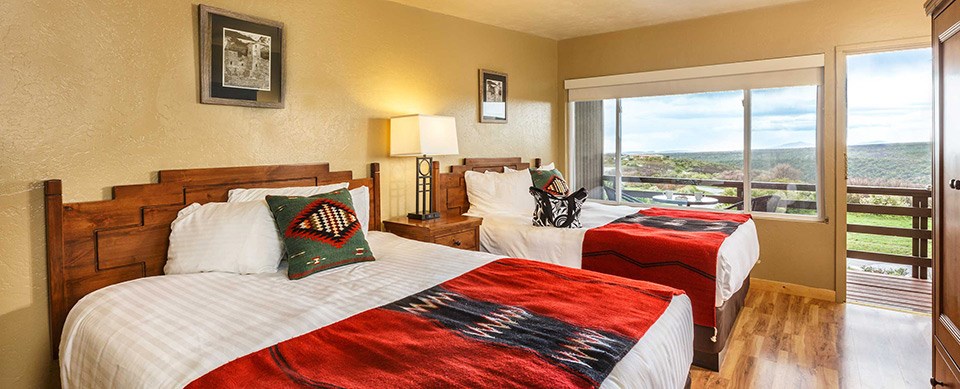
<point x="461" y="232"/>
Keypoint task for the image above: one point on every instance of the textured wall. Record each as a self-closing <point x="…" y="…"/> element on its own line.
<point x="100" y="93"/>
<point x="796" y="252"/>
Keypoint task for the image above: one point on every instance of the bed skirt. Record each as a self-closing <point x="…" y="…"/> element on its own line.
<point x="707" y="353"/>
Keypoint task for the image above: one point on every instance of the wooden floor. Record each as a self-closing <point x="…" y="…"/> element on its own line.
<point x="784" y="341"/>
<point x="905" y="293"/>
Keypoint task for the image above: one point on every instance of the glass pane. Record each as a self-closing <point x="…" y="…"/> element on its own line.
<point x="596" y="137"/>
<point x="683" y="149"/>
<point x="783" y="158"/>
<point x="890" y="119"/>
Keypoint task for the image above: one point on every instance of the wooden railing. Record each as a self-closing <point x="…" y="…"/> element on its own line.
<point x="920" y="234"/>
<point x="737" y="185"/>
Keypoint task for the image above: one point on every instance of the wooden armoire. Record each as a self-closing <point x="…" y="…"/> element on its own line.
<point x="946" y="192"/>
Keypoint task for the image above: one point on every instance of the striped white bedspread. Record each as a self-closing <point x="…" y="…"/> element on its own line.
<point x="166" y="331"/>
<point x="514" y="236"/>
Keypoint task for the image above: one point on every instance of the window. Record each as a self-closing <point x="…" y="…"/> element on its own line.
<point x="742" y="136"/>
<point x="783" y="150"/>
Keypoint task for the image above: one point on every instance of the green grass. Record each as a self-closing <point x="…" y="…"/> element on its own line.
<point x="878" y="243"/>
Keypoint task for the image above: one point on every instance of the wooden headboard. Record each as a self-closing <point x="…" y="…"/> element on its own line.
<point x="450" y="189"/>
<point x="92" y="245"/>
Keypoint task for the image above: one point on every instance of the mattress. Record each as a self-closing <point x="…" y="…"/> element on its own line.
<point x="515" y="236"/>
<point x="166" y="331"/>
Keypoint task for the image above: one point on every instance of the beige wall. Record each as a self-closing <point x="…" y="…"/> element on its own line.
<point x="795" y="252"/>
<point x="100" y="93"/>
<point x="104" y="93"/>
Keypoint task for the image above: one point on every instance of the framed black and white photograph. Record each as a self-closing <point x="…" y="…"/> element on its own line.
<point x="241" y="59"/>
<point x="493" y="97"/>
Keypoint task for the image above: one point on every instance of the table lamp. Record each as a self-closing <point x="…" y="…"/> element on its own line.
<point x="423" y="136"/>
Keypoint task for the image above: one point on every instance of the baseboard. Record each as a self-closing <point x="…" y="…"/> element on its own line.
<point x="793" y="289"/>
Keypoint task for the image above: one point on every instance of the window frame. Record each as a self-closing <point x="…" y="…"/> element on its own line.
<point x="815" y="61"/>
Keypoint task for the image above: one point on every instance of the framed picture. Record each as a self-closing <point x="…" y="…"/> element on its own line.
<point x="493" y="97"/>
<point x="241" y="59"/>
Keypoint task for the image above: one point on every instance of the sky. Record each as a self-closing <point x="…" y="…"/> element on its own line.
<point x="890" y="97"/>
<point x="889" y="100"/>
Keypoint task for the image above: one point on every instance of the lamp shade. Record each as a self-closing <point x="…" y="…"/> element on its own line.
<point x="423" y="135"/>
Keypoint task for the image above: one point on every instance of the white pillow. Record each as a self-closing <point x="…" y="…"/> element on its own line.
<point x="224" y="237"/>
<point x="546" y="167"/>
<point x="503" y="193"/>
<point x="361" y="204"/>
<point x="361" y="197"/>
<point x="238" y="195"/>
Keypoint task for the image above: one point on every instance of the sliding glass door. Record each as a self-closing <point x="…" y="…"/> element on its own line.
<point x="754" y="150"/>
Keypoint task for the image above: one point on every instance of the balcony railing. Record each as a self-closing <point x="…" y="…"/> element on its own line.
<point x="919" y="211"/>
<point x="724" y="199"/>
<point x="920" y="234"/>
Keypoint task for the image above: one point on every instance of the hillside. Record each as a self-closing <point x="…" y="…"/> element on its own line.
<point x="893" y="164"/>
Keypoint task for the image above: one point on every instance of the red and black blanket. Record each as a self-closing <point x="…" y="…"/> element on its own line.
<point x="672" y="247"/>
<point x="509" y="323"/>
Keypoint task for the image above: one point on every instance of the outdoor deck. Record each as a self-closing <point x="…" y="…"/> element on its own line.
<point x="905" y="293"/>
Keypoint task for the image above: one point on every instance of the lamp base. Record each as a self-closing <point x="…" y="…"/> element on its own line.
<point x="424" y="216"/>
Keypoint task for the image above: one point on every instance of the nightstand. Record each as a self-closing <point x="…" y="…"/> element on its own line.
<point x="461" y="232"/>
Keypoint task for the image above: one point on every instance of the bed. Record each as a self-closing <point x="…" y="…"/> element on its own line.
<point x="513" y="234"/>
<point x="116" y="320"/>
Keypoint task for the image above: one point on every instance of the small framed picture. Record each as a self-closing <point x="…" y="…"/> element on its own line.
<point x="241" y="59"/>
<point x="493" y="97"/>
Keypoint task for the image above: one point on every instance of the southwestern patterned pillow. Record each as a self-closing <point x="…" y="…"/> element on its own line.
<point x="319" y="232"/>
<point x="554" y="211"/>
<point x="550" y="181"/>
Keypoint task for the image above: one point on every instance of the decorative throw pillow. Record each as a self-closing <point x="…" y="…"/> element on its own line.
<point x="319" y="232"/>
<point x="550" y="181"/>
<point x="560" y="212"/>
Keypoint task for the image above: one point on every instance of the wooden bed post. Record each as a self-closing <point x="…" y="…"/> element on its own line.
<point x="53" y="212"/>
<point x="375" y="175"/>
<point x="536" y="162"/>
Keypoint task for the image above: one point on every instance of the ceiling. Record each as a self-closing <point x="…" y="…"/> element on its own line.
<point x="562" y="19"/>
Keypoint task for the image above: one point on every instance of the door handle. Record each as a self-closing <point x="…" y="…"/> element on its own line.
<point x="953" y="183"/>
<point x="935" y="383"/>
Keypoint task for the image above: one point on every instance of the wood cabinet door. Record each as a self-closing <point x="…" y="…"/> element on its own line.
<point x="943" y="372"/>
<point x="946" y="308"/>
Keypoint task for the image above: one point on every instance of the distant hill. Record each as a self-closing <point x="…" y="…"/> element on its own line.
<point x="909" y="163"/>
<point x="890" y="164"/>
<point x="795" y="145"/>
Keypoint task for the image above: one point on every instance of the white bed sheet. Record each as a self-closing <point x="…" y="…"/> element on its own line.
<point x="166" y="331"/>
<point x="515" y="236"/>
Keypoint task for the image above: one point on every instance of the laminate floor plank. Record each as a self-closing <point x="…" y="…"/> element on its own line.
<point x="786" y="341"/>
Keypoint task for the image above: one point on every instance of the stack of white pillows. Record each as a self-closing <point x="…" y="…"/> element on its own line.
<point x="240" y="236"/>
<point x="492" y="193"/>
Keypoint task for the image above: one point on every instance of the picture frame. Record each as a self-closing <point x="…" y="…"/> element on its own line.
<point x="493" y="96"/>
<point x="241" y="59"/>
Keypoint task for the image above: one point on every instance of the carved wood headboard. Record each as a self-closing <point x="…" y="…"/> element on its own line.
<point x="91" y="245"/>
<point x="450" y="189"/>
